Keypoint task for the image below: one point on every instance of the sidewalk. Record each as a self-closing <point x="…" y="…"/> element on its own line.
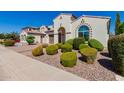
<point x="14" y="66"/>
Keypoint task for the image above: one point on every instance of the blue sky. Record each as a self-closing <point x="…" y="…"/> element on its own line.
<point x="15" y="20"/>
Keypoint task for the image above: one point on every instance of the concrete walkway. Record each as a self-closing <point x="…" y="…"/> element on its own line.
<point x="14" y="66"/>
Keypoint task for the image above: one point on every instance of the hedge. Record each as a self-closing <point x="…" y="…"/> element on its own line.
<point x="83" y="46"/>
<point x="59" y="45"/>
<point x="117" y="53"/>
<point x="109" y="46"/>
<point x="70" y="41"/>
<point x="89" y="54"/>
<point x="66" y="48"/>
<point x="30" y="39"/>
<point x="95" y="44"/>
<point x="52" y="49"/>
<point x="9" y="43"/>
<point x="37" y="51"/>
<point x="77" y="42"/>
<point x="68" y="59"/>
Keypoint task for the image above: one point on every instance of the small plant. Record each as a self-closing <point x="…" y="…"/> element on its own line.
<point x="66" y="48"/>
<point x="77" y="42"/>
<point x="9" y="42"/>
<point x="89" y="54"/>
<point x="70" y="41"/>
<point x="37" y="51"/>
<point x="68" y="59"/>
<point x="83" y="46"/>
<point x="59" y="45"/>
<point x="44" y="45"/>
<point x="52" y="49"/>
<point x="95" y="44"/>
<point x="30" y="39"/>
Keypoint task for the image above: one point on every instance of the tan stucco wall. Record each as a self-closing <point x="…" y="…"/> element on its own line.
<point x="98" y="27"/>
<point x="64" y="22"/>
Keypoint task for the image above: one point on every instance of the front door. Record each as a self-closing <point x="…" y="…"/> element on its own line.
<point x="51" y="39"/>
<point x="61" y="35"/>
<point x="41" y="39"/>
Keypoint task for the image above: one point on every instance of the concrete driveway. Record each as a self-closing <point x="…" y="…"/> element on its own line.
<point x="14" y="66"/>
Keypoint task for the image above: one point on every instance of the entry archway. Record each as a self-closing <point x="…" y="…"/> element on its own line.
<point x="61" y="35"/>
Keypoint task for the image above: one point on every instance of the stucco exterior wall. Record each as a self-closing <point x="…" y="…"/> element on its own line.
<point x="46" y="39"/>
<point x="37" y="37"/>
<point x="62" y="21"/>
<point x="23" y="33"/>
<point x="98" y="28"/>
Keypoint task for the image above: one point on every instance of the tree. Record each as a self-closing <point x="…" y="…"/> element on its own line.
<point x="2" y="36"/>
<point x="117" y="24"/>
<point x="30" y="39"/>
<point x="12" y="36"/>
<point x="121" y="28"/>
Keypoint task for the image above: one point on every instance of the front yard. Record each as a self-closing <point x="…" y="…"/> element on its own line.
<point x="102" y="69"/>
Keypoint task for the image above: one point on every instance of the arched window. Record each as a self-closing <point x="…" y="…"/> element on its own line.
<point x="84" y="32"/>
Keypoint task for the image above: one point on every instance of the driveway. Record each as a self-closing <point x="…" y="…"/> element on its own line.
<point x="15" y="66"/>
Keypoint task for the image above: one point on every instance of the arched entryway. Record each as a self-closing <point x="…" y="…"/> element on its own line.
<point x="83" y="31"/>
<point x="61" y="35"/>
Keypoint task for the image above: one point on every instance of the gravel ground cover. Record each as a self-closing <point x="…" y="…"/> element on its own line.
<point x="101" y="70"/>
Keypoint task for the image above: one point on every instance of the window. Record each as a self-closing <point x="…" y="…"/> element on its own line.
<point x="84" y="32"/>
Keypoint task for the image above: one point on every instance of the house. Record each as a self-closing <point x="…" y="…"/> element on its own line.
<point x="67" y="26"/>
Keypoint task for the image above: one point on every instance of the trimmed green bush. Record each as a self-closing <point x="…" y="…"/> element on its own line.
<point x="9" y="42"/>
<point x="37" y="51"/>
<point x="44" y="45"/>
<point x="95" y="44"/>
<point x="117" y="53"/>
<point x="83" y="46"/>
<point x="66" y="48"/>
<point x="70" y="41"/>
<point x="68" y="59"/>
<point x="1" y="42"/>
<point x="59" y="45"/>
<point x="30" y="39"/>
<point x="89" y="54"/>
<point x="52" y="49"/>
<point x="109" y="46"/>
<point x="77" y="42"/>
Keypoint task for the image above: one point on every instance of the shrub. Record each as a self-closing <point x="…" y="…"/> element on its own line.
<point x="9" y="42"/>
<point x="83" y="46"/>
<point x="77" y="42"/>
<point x="37" y="51"/>
<point x="1" y="41"/>
<point x="117" y="53"/>
<point x="68" y="59"/>
<point x="66" y="48"/>
<point x="109" y="46"/>
<point x="70" y="41"/>
<point x="95" y="44"/>
<point x="52" y="49"/>
<point x="44" y="45"/>
<point x="89" y="54"/>
<point x="30" y="39"/>
<point x="59" y="45"/>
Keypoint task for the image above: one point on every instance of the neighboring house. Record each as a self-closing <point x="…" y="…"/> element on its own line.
<point x="67" y="26"/>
